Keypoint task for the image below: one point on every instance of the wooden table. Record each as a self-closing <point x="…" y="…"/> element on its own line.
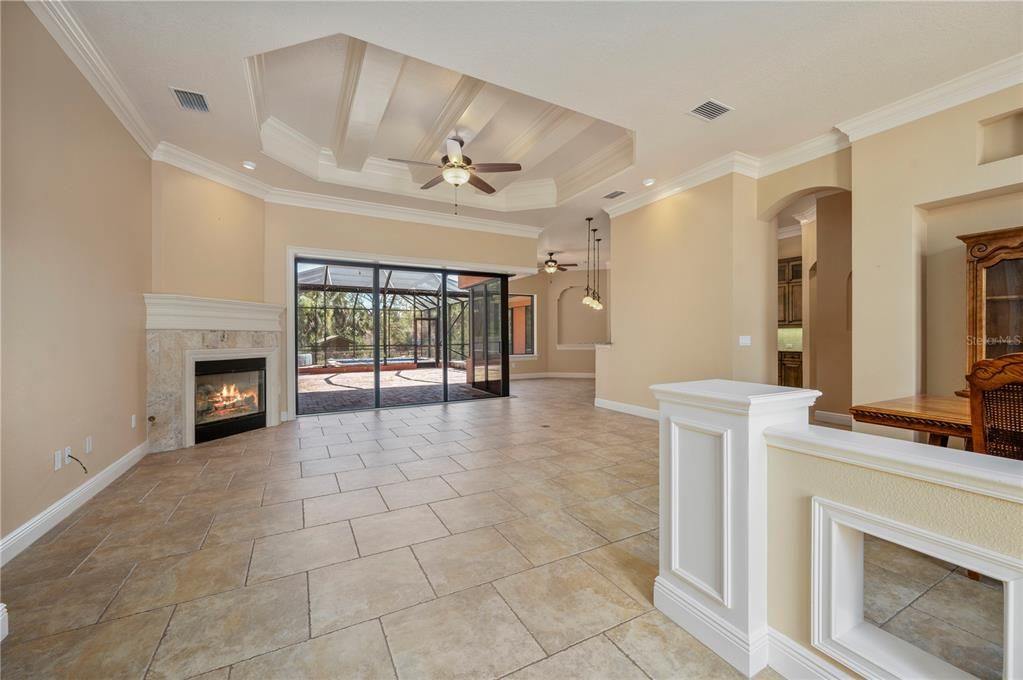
<point x="939" y="417"/>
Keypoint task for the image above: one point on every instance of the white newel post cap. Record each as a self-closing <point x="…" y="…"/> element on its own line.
<point x="733" y="396"/>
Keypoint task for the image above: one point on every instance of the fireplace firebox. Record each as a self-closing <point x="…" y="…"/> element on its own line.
<point x="230" y="397"/>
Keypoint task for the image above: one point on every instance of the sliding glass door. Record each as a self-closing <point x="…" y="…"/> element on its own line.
<point x="370" y="336"/>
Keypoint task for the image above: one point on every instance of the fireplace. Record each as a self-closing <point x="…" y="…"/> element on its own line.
<point x="230" y="397"/>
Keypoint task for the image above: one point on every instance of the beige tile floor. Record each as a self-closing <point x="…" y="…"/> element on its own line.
<point x="933" y="605"/>
<point x="475" y="540"/>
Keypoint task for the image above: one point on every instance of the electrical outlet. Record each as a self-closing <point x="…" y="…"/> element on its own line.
<point x="133" y="421"/>
<point x="67" y="455"/>
<point x="58" y="459"/>
<point x="88" y="443"/>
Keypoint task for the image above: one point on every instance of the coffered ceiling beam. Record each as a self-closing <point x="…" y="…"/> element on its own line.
<point x="370" y="76"/>
<point x="550" y="131"/>
<point x="458" y="102"/>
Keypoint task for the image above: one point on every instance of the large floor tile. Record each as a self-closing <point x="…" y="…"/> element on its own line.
<point x="230" y="627"/>
<point x="550" y="536"/>
<point x="539" y="497"/>
<point x="180" y="578"/>
<point x="566" y="602"/>
<point x="648" y="497"/>
<point x="418" y="492"/>
<point x="595" y="484"/>
<point x="476" y="481"/>
<point x="245" y="525"/>
<point x="472" y="512"/>
<point x="971" y="605"/>
<point x="912" y="564"/>
<point x="342" y="506"/>
<point x="666" y="652"/>
<point x="48" y="607"/>
<point x="116" y="649"/>
<point x="148" y="542"/>
<point x="363" y="589"/>
<point x="614" y="517"/>
<point x="378" y="533"/>
<point x="374" y="476"/>
<point x="886" y="593"/>
<point x="302" y="550"/>
<point x="327" y="466"/>
<point x="468" y="559"/>
<point x="296" y="489"/>
<point x="431" y="467"/>
<point x="968" y="652"/>
<point x="470" y="634"/>
<point x="594" y="658"/>
<point x="631" y="564"/>
<point x="356" y="653"/>
<point x="42" y="562"/>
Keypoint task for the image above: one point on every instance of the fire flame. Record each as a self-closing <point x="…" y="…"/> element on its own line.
<point x="230" y="393"/>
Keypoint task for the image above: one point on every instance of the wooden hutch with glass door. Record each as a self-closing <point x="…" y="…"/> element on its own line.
<point x="994" y="261"/>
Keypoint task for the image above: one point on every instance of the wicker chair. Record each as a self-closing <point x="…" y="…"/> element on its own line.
<point x="996" y="406"/>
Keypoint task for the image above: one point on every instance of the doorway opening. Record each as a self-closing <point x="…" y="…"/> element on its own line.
<point x="378" y="336"/>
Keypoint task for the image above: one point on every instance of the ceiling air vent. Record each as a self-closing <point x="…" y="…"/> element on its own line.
<point x="191" y="101"/>
<point x="615" y="194"/>
<point x="710" y="109"/>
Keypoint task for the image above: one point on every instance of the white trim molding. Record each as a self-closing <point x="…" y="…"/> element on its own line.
<point x="792" y="660"/>
<point x="198" y="165"/>
<point x="3" y="621"/>
<point x="982" y="82"/>
<point x="631" y="409"/>
<point x="984" y="475"/>
<point x="183" y="312"/>
<point x="735" y="162"/>
<point x="15" y="542"/>
<point x="61" y="23"/>
<point x="838" y="627"/>
<point x="830" y="142"/>
<point x="272" y="388"/>
<point x="791" y="231"/>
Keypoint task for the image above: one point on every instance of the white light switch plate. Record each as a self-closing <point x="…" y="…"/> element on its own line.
<point x="745" y="340"/>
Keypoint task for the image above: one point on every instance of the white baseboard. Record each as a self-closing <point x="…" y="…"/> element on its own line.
<point x="833" y="418"/>
<point x="748" y="656"/>
<point x="29" y="532"/>
<point x="794" y="661"/>
<point x="534" y="376"/>
<point x="631" y="409"/>
<point x="3" y="620"/>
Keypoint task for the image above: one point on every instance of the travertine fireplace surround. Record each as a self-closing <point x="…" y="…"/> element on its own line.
<point x="178" y="329"/>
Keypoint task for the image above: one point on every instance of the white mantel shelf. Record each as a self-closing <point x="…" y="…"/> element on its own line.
<point x="184" y="312"/>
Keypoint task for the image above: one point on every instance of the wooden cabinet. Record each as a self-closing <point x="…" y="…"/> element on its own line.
<point x="790" y="292"/>
<point x="994" y="301"/>
<point x="790" y="369"/>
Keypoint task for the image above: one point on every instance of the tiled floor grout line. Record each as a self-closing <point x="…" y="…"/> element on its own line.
<point x="163" y="635"/>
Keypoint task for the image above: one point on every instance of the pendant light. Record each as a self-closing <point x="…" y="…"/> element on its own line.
<point x="588" y="299"/>
<point x="597" y="304"/>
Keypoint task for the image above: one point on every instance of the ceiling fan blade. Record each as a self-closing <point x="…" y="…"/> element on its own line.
<point x="405" y="160"/>
<point x="567" y="264"/>
<point x="433" y="182"/>
<point x="561" y="268"/>
<point x="497" y="167"/>
<point x="454" y="151"/>
<point x="478" y="182"/>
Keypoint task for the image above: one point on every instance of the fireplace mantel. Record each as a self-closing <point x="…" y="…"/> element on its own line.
<point x="183" y="312"/>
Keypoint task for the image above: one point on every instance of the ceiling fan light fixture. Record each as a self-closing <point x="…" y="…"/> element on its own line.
<point x="455" y="175"/>
<point x="550" y="266"/>
<point x="588" y="301"/>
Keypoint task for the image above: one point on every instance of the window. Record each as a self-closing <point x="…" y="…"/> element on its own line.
<point x="522" y="324"/>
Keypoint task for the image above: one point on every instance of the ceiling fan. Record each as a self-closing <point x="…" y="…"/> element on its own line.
<point x="456" y="169"/>
<point x="551" y="265"/>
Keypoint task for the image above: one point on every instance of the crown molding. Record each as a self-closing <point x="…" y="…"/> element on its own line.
<point x="190" y="162"/>
<point x="58" y="19"/>
<point x="979" y="83"/>
<point x="790" y="231"/>
<point x="812" y="149"/>
<point x="170" y="154"/>
<point x="604" y="164"/>
<point x="734" y="163"/>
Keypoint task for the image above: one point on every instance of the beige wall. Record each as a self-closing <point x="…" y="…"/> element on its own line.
<point x="927" y="161"/>
<point x="672" y="285"/>
<point x="832" y="313"/>
<point x="207" y="238"/>
<point x="945" y="282"/>
<point x="563" y="319"/>
<point x="794" y="478"/>
<point x="76" y="260"/>
<point x="789" y="247"/>
<point x="776" y="191"/>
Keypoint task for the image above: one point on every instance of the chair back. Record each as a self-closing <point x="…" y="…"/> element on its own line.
<point x="996" y="406"/>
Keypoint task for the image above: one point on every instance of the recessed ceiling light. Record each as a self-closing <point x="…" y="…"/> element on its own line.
<point x="248" y="165"/>
<point x="649" y="182"/>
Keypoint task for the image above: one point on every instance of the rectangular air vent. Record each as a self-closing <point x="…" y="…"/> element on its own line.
<point x="191" y="101"/>
<point x="615" y="194"/>
<point x="710" y="109"/>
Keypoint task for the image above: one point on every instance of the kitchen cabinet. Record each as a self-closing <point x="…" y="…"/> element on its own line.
<point x="790" y="292"/>
<point x="790" y="369"/>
